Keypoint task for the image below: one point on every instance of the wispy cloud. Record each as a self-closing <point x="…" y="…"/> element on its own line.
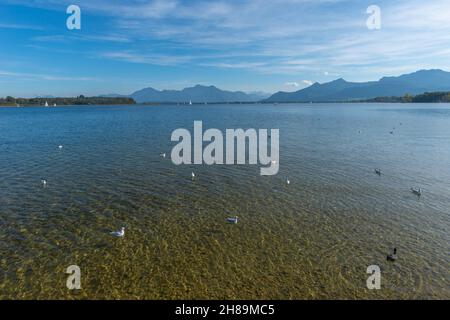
<point x="64" y="38"/>
<point x="292" y="84"/>
<point x="235" y="65"/>
<point x="146" y="58"/>
<point x="295" y="84"/>
<point x="20" y="26"/>
<point x="28" y="76"/>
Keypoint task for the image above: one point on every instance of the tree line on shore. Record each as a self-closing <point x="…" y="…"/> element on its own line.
<point x="427" y="97"/>
<point x="80" y="100"/>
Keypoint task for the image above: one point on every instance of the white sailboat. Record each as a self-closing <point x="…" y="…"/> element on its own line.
<point x="190" y="102"/>
<point x="46" y="103"/>
<point x="54" y="104"/>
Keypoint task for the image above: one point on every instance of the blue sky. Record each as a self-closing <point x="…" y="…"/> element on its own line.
<point x="249" y="45"/>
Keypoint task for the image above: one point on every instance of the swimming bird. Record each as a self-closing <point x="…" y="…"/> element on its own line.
<point x="119" y="234"/>
<point x="391" y="132"/>
<point x="163" y="155"/>
<point x="392" y="256"/>
<point x="287" y="181"/>
<point x="233" y="220"/>
<point x="274" y="162"/>
<point x="417" y="192"/>
<point x="378" y="172"/>
<point x="60" y="146"/>
<point x="44" y="182"/>
<point x="193" y="176"/>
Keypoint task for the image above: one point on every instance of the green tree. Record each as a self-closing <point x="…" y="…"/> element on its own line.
<point x="408" y="98"/>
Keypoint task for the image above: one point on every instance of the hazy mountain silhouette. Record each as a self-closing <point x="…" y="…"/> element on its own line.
<point x="341" y="90"/>
<point x="197" y="94"/>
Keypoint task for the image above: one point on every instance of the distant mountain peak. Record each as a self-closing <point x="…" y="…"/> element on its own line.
<point x="429" y="71"/>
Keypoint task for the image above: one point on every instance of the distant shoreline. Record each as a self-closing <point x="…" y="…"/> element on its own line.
<point x="427" y="97"/>
<point x="214" y="104"/>
<point x="54" y="102"/>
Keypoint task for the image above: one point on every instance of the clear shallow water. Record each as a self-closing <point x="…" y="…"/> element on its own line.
<point x="312" y="239"/>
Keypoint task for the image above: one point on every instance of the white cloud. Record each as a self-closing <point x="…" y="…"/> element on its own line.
<point x="31" y="76"/>
<point x="237" y="65"/>
<point x="146" y="58"/>
<point x="294" y="84"/>
<point x="81" y="37"/>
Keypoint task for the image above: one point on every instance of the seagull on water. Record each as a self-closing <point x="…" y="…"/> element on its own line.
<point x="378" y="172"/>
<point x="60" y="146"/>
<point x="193" y="176"/>
<point x="417" y="192"/>
<point x="162" y="155"/>
<point x="119" y="234"/>
<point x="392" y="256"/>
<point x="44" y="182"/>
<point x="233" y="220"/>
<point x="287" y="181"/>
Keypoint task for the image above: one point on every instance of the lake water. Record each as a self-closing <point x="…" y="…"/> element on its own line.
<point x="311" y="239"/>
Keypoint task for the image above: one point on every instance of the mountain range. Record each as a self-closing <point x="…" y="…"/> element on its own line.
<point x="341" y="90"/>
<point x="196" y="94"/>
<point x="338" y="90"/>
